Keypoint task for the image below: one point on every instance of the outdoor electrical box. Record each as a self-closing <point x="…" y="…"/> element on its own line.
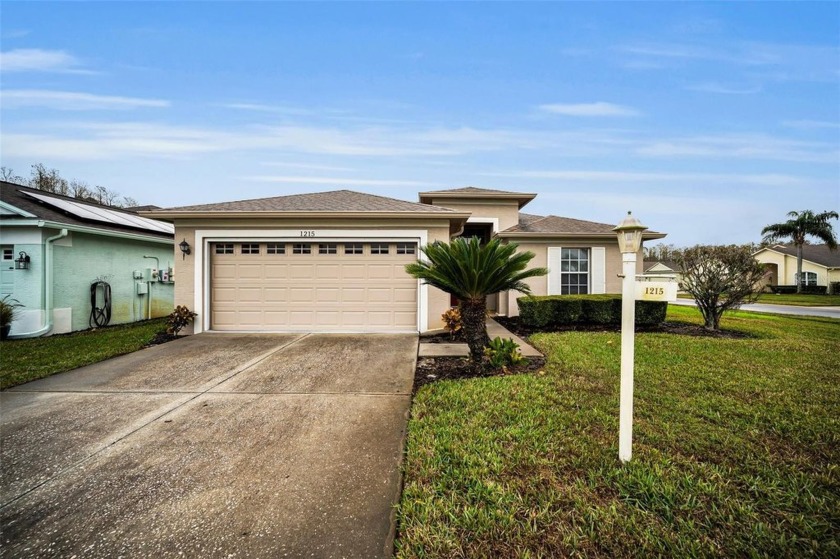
<point x="151" y="274"/>
<point x="142" y="288"/>
<point x="164" y="275"/>
<point x="137" y="274"/>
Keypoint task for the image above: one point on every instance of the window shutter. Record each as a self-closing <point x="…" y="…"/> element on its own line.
<point x="554" y="270"/>
<point x="599" y="269"/>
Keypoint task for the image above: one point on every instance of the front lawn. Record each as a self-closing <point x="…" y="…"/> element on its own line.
<point x="802" y="300"/>
<point x="736" y="450"/>
<point x="34" y="358"/>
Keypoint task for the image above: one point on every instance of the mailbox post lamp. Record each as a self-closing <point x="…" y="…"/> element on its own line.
<point x="629" y="233"/>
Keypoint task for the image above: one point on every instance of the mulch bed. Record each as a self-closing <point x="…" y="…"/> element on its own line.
<point x="433" y="369"/>
<point x="680" y="328"/>
<point x="161" y="338"/>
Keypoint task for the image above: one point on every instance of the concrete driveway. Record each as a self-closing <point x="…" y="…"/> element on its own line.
<point x="211" y="446"/>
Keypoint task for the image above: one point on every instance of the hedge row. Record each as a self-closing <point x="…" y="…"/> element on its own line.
<point x="556" y="310"/>
<point x="788" y="289"/>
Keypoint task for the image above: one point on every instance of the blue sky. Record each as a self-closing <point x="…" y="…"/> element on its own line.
<point x="708" y="120"/>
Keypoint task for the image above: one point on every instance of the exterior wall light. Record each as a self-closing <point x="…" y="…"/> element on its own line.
<point x="185" y="248"/>
<point x="22" y="261"/>
<point x="629" y="233"/>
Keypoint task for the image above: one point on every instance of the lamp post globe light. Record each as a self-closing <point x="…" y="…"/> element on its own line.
<point x="629" y="233"/>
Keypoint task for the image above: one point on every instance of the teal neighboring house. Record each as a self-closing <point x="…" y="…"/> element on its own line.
<point x="75" y="264"/>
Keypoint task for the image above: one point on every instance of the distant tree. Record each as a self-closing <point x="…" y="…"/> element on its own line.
<point x="802" y="225"/>
<point x="50" y="180"/>
<point x="720" y="278"/>
<point x="7" y="174"/>
<point x="471" y="271"/>
<point x="660" y="252"/>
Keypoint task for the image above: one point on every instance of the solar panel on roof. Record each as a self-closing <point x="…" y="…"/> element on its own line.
<point x="104" y="215"/>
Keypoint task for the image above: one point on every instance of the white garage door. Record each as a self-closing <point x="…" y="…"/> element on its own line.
<point x="332" y="286"/>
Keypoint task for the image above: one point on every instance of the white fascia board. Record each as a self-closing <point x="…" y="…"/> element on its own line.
<point x="203" y="238"/>
<point x="89" y="230"/>
<point x="15" y="210"/>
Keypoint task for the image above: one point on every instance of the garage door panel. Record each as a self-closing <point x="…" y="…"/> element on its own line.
<point x="361" y="292"/>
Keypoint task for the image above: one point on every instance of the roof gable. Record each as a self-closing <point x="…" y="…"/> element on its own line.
<point x="816" y="254"/>
<point x="474" y="193"/>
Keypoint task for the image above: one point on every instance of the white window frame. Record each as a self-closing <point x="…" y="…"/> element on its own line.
<point x="809" y="279"/>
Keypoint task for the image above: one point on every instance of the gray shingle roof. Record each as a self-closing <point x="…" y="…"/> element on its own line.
<point x="474" y="190"/>
<point x="819" y="254"/>
<point x="333" y="201"/>
<point x="15" y="195"/>
<point x="557" y="224"/>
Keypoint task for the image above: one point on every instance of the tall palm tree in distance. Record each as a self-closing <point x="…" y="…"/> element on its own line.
<point x="471" y="271"/>
<point x="801" y="225"/>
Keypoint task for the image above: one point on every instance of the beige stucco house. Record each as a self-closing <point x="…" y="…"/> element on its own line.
<point x="334" y="261"/>
<point x="820" y="265"/>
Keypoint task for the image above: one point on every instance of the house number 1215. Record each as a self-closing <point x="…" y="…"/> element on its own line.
<point x="654" y="291"/>
<point x="307" y="233"/>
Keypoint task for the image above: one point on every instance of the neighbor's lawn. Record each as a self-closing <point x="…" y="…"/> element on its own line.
<point x="802" y="300"/>
<point x="736" y="450"/>
<point x="34" y="358"/>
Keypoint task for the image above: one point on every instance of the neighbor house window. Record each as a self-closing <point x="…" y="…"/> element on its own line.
<point x="328" y="249"/>
<point x="275" y="248"/>
<point x="574" y="271"/>
<point x="301" y="248"/>
<point x="8" y="253"/>
<point x="809" y="278"/>
<point x="406" y="248"/>
<point x="354" y="248"/>
<point x="379" y="248"/>
<point x="250" y="248"/>
<point x="224" y="248"/>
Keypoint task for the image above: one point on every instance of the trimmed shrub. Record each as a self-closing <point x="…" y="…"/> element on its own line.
<point x="834" y="288"/>
<point x="564" y="310"/>
<point x="535" y="312"/>
<point x="650" y="313"/>
<point x="809" y="289"/>
<point x="599" y="311"/>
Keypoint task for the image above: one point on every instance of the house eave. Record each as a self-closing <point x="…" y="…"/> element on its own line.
<point x="41" y="223"/>
<point x="537" y="236"/>
<point x="232" y="214"/>
<point x="521" y="197"/>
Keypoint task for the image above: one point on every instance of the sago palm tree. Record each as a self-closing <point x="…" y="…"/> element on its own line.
<point x="801" y="225"/>
<point x="471" y="271"/>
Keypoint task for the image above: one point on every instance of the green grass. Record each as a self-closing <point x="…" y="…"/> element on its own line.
<point x="802" y="300"/>
<point x="736" y="450"/>
<point x="34" y="358"/>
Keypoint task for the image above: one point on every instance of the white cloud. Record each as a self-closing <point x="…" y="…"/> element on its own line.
<point x="588" y="109"/>
<point x="600" y="177"/>
<point x="714" y="87"/>
<point x="73" y="101"/>
<point x="811" y="124"/>
<point x="40" y="60"/>
<point x="744" y="146"/>
<point x="259" y="107"/>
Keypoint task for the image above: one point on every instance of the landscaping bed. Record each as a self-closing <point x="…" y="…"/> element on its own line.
<point x="736" y="446"/>
<point x="433" y="369"/>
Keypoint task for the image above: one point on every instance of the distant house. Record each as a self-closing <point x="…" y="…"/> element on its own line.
<point x="820" y="266"/>
<point x="335" y="261"/>
<point x="662" y="268"/>
<point x="56" y="250"/>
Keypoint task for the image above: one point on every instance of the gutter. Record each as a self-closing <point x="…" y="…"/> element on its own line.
<point x="91" y="231"/>
<point x="551" y="236"/>
<point x="170" y="215"/>
<point x="47" y="286"/>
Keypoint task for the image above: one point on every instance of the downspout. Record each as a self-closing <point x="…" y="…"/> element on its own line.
<point x="47" y="285"/>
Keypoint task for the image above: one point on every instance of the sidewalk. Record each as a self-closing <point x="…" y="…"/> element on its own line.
<point x="494" y="329"/>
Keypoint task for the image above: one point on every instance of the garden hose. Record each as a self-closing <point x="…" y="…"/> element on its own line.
<point x="100" y="316"/>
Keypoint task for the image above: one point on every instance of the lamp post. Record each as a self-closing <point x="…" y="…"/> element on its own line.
<point x="629" y="233"/>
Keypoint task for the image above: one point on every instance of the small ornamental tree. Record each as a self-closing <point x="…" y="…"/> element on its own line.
<point x="471" y="271"/>
<point x="720" y="278"/>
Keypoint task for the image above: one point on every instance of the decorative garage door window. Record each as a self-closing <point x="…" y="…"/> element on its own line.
<point x="250" y="248"/>
<point x="354" y="248"/>
<point x="224" y="248"/>
<point x="379" y="248"/>
<point x="406" y="248"/>
<point x="275" y="248"/>
<point x="331" y="248"/>
<point x="301" y="248"/>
